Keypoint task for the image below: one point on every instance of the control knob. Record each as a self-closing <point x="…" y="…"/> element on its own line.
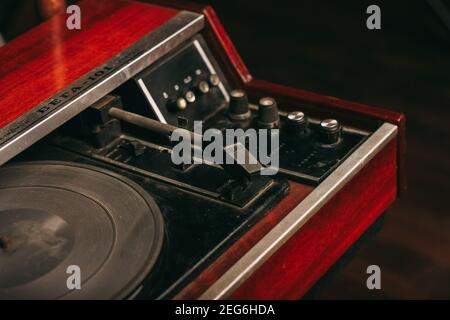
<point x="239" y="109"/>
<point x="296" y="123"/>
<point x="330" y="131"/>
<point x="268" y="113"/>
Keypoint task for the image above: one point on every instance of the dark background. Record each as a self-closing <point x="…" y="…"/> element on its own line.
<point x="324" y="46"/>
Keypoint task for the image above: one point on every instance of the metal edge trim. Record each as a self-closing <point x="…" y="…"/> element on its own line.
<point x="151" y="101"/>
<point x="287" y="227"/>
<point x="156" y="44"/>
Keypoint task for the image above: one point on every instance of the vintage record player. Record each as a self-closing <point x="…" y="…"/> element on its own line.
<point x="87" y="177"/>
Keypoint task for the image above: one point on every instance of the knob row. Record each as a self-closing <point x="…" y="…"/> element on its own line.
<point x="268" y="117"/>
<point x="330" y="130"/>
<point x="268" y="110"/>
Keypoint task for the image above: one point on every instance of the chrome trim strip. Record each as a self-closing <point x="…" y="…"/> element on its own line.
<point x="151" y="101"/>
<point x="287" y="227"/>
<point x="47" y="116"/>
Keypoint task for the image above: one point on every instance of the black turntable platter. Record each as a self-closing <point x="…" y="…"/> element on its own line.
<point x="57" y="215"/>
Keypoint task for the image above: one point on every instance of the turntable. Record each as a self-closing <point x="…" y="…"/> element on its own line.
<point x="59" y="214"/>
<point x="88" y="177"/>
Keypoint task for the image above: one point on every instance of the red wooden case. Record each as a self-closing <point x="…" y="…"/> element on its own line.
<point x="49" y="58"/>
<point x="307" y="255"/>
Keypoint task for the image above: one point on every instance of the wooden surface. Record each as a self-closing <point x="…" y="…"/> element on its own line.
<point x="299" y="263"/>
<point x="238" y="73"/>
<point x="38" y="64"/>
<point x="305" y="272"/>
<point x="307" y="256"/>
<point x="323" y="46"/>
<point x="297" y="193"/>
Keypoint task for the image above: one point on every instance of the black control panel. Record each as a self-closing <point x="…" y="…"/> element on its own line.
<point x="188" y="85"/>
<point x="309" y="149"/>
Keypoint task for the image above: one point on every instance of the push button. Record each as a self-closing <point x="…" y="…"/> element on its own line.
<point x="330" y="131"/>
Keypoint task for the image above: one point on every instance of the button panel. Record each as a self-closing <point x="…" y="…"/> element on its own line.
<point x="187" y="83"/>
<point x="309" y="149"/>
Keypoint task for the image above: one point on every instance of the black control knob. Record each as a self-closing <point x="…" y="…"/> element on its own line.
<point x="296" y="123"/>
<point x="330" y="131"/>
<point x="268" y="113"/>
<point x="239" y="109"/>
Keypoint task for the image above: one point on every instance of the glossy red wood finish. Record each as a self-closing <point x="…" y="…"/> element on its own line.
<point x="59" y="56"/>
<point x="299" y="263"/>
<point x="313" y="250"/>
<point x="328" y="234"/>
<point x="43" y="61"/>
<point x="315" y="104"/>
<point x="297" y="193"/>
